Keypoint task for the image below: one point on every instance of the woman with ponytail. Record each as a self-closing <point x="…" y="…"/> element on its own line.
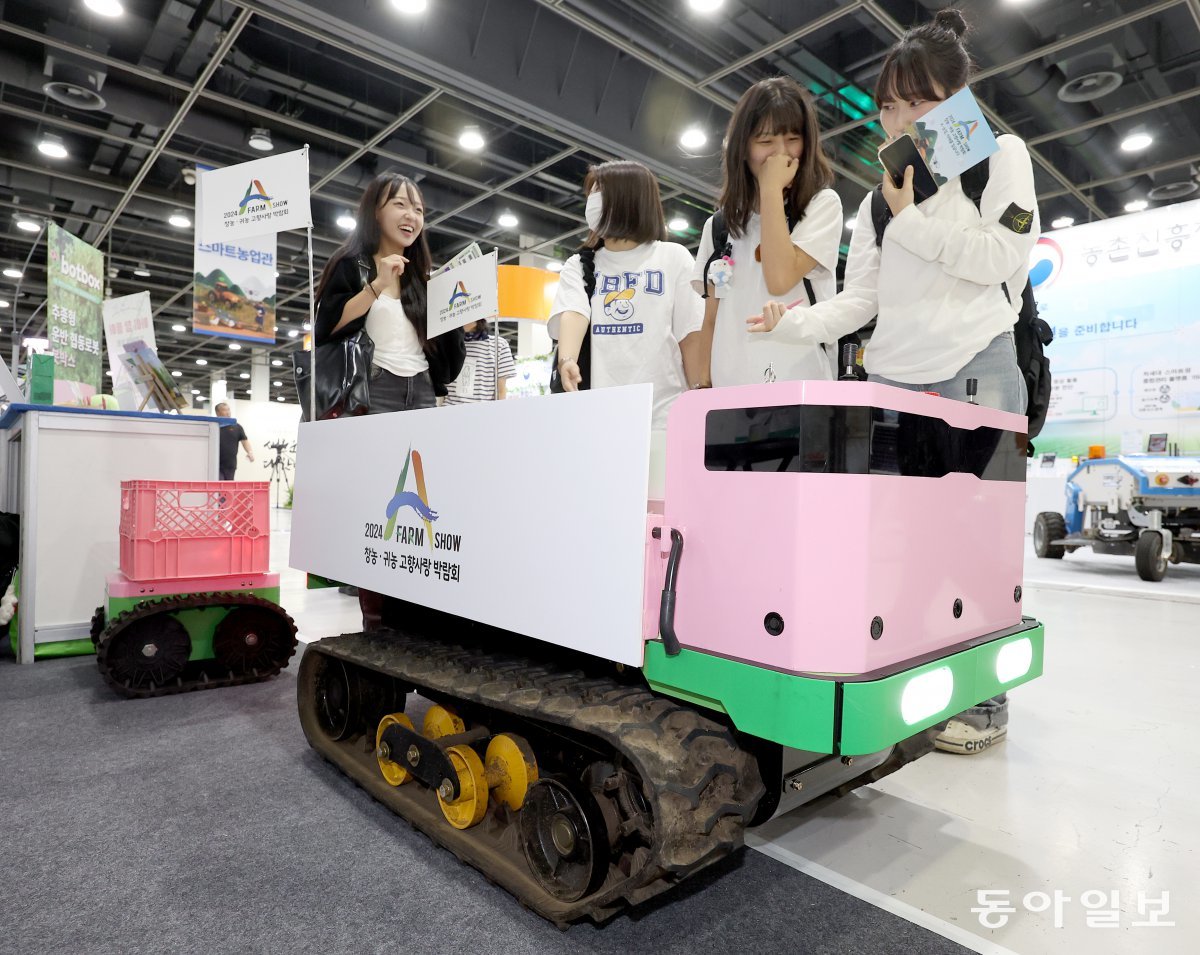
<point x="945" y="281"/>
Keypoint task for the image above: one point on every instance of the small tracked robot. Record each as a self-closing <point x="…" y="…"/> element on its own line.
<point x="1142" y="505"/>
<point x="192" y="607"/>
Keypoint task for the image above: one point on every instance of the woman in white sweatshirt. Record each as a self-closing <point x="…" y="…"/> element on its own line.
<point x="937" y="282"/>
<point x="940" y="282"/>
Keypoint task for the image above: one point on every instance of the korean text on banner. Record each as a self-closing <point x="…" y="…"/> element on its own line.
<point x="73" y="299"/>
<point x="253" y="198"/>
<point x="1121" y="297"/>
<point x="233" y="291"/>
<point x="464" y="294"/>
<point x="127" y="320"/>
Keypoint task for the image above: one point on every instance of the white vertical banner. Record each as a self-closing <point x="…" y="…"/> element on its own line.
<point x="253" y="198"/>
<point x="127" y="320"/>
<point x="464" y="294"/>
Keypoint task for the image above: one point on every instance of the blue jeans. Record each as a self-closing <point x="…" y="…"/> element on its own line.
<point x="400" y="393"/>
<point x="1001" y="384"/>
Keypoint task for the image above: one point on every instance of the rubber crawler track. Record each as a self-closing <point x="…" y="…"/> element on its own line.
<point x="701" y="787"/>
<point x="198" y="674"/>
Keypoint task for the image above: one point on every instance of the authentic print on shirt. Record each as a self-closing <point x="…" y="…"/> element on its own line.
<point x="619" y="294"/>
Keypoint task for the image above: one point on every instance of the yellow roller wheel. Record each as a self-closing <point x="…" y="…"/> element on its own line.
<point x="510" y="769"/>
<point x="440" y="721"/>
<point x="394" y="772"/>
<point x="469" y="808"/>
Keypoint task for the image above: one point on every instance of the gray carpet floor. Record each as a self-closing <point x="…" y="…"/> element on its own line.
<point x="204" y="823"/>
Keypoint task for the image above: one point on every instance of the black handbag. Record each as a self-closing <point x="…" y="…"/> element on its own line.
<point x="343" y="376"/>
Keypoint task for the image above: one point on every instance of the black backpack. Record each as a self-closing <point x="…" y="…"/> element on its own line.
<point x="1030" y="333"/>
<point x="587" y="258"/>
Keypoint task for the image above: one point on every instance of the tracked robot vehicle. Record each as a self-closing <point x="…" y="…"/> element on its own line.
<point x="193" y="607"/>
<point x="621" y="685"/>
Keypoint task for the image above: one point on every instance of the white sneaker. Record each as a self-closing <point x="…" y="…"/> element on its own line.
<point x="964" y="739"/>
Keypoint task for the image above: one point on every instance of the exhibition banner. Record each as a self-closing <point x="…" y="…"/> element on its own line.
<point x="233" y="291"/>
<point x="258" y="197"/>
<point x="416" y="517"/>
<point x="74" y="293"/>
<point x="127" y="321"/>
<point x="1121" y="297"/>
<point x="464" y="294"/>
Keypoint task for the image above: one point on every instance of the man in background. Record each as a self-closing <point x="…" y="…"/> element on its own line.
<point x="231" y="434"/>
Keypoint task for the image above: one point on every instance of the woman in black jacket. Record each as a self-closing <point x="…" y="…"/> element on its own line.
<point x="378" y="278"/>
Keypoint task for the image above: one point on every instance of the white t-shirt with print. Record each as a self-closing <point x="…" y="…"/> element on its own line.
<point x="643" y="307"/>
<point x="740" y="357"/>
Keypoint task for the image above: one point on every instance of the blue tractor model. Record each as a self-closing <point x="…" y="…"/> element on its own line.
<point x="1142" y="505"/>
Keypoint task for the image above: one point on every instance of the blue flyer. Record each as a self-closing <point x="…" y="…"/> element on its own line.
<point x="953" y="136"/>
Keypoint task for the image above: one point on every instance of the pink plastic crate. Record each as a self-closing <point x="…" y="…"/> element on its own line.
<point x="186" y="529"/>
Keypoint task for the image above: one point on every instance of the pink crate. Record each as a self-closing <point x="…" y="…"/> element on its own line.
<point x="186" y="529"/>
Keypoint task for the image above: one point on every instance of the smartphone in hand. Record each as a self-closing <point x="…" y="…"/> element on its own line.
<point x="902" y="152"/>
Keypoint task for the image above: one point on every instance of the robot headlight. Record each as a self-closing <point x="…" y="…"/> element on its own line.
<point x="926" y="695"/>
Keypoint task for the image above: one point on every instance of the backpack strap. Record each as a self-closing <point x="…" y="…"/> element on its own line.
<point x="587" y="259"/>
<point x="721" y="245"/>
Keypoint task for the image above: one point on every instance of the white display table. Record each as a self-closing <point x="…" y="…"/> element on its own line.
<point x="61" y="470"/>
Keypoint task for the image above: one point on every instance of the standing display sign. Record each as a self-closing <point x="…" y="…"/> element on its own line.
<point x="233" y="292"/>
<point x="393" y="503"/>
<point x="1121" y="297"/>
<point x="75" y="291"/>
<point x="127" y="320"/>
<point x="466" y="293"/>
<point x="259" y="197"/>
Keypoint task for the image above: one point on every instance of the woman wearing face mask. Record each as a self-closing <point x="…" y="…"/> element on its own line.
<point x="643" y="316"/>
<point x="378" y="279"/>
<point x="938" y="280"/>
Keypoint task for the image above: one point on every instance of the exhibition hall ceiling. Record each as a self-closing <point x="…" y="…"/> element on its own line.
<point x="543" y="88"/>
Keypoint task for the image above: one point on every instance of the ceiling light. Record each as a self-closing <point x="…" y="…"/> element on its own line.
<point x="106" y="8"/>
<point x="35" y="344"/>
<point x="234" y="346"/>
<point x="276" y="275"/>
<point x="260" y="139"/>
<point x="1136" y="142"/>
<point x="508" y="221"/>
<point x="195" y="391"/>
<point x="280" y="398"/>
<point x="179" y="220"/>
<point x="202" y="398"/>
<point x="555" y="266"/>
<point x="12" y="273"/>
<point x="244" y="375"/>
<point x="276" y="362"/>
<point x="471" y="139"/>
<point x="706" y="6"/>
<point x="1137" y="205"/>
<point x="177" y="374"/>
<point x="411" y="6"/>
<point x="201" y="361"/>
<point x="141" y="271"/>
<point x="346" y="222"/>
<point x="693" y="138"/>
<point x="179" y="328"/>
<point x="851" y="223"/>
<point x="307" y="327"/>
<point x="28" y="225"/>
<point x="108" y="373"/>
<point x="52" y="146"/>
<point x="678" y="224"/>
<point x="1062" y="222"/>
<point x="277" y="384"/>
<point x="4" y="303"/>
<point x="293" y="333"/>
